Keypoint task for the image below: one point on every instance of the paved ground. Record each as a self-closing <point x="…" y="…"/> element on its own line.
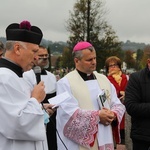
<point x="121" y="147"/>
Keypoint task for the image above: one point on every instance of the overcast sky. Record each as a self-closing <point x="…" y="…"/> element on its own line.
<point x="129" y="18"/>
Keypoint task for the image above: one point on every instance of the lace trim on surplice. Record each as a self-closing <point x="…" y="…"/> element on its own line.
<point x="82" y="127"/>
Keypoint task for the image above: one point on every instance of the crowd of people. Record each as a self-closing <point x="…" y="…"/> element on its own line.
<point x="91" y="117"/>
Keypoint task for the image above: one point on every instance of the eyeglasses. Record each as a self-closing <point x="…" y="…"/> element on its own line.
<point x="44" y="56"/>
<point x="113" y="65"/>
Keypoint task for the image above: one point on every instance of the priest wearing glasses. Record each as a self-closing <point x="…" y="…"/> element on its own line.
<point x="21" y="116"/>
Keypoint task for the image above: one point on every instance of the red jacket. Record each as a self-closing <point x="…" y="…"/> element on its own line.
<point x="119" y="88"/>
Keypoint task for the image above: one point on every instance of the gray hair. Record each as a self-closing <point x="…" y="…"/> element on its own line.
<point x="1" y="46"/>
<point x="78" y="54"/>
<point x="10" y="44"/>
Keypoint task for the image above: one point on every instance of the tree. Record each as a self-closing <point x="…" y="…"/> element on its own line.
<point x="146" y="55"/>
<point x="138" y="59"/>
<point x="58" y="62"/>
<point x="87" y="22"/>
<point x="86" y="19"/>
<point x="107" y="46"/>
<point x="129" y="59"/>
<point x="67" y="60"/>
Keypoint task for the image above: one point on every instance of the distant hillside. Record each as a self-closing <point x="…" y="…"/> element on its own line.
<point x="132" y="45"/>
<point x="59" y="46"/>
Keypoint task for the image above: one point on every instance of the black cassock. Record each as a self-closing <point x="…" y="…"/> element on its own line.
<point x="51" y="126"/>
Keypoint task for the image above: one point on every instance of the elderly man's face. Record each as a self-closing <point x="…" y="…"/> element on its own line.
<point x="27" y="55"/>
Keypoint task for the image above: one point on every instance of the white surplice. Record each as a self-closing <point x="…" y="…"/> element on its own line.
<point x="49" y="80"/>
<point x="21" y="117"/>
<point x="74" y="122"/>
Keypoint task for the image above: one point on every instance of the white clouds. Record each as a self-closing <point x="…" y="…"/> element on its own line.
<point x="129" y="18"/>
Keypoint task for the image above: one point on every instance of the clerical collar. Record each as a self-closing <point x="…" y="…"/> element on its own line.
<point x="12" y="66"/>
<point x="86" y="76"/>
<point x="43" y="72"/>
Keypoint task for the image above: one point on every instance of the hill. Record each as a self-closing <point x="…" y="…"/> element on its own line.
<point x="128" y="45"/>
<point x="59" y="46"/>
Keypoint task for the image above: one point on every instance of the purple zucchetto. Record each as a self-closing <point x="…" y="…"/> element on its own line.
<point x="25" y="25"/>
<point x="24" y="32"/>
<point x="81" y="45"/>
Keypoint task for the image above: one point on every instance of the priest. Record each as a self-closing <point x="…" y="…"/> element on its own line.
<point x="21" y="116"/>
<point x="84" y="121"/>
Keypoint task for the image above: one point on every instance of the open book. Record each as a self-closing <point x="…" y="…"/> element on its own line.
<point x="102" y="100"/>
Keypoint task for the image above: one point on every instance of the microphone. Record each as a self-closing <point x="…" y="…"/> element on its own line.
<point x="37" y="71"/>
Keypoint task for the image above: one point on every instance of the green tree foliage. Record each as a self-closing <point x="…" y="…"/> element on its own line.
<point x="67" y="58"/>
<point x="107" y="46"/>
<point x="130" y="61"/>
<point x="59" y="62"/>
<point x="146" y="55"/>
<point x="87" y="22"/>
<point x="85" y="18"/>
<point x="139" y="57"/>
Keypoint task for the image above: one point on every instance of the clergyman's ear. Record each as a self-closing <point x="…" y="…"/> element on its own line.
<point x="17" y="48"/>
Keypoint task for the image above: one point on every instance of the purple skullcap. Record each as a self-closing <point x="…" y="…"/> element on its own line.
<point x="24" y="32"/>
<point x="81" y="45"/>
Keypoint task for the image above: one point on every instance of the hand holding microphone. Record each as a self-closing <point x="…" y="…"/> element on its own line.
<point x="37" y="70"/>
<point x="39" y="92"/>
<point x="39" y="89"/>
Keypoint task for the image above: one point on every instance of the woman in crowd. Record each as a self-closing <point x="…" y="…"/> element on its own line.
<point x="119" y="80"/>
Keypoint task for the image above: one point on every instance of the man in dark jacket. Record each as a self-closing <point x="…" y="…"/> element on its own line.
<point x="137" y="102"/>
